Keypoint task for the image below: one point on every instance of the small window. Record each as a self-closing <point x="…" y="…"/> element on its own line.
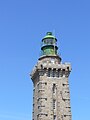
<point x="49" y="72"/>
<point x="54" y="72"/>
<point x="45" y="83"/>
<point x="54" y="104"/>
<point x="45" y="71"/>
<point x="58" y="73"/>
<point x="54" y="88"/>
<point x="63" y="72"/>
<point x="67" y="68"/>
<point x="54" y="117"/>
<point x="41" y="66"/>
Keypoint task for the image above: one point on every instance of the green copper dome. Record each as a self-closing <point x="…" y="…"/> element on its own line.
<point x="49" y="46"/>
<point x="49" y="35"/>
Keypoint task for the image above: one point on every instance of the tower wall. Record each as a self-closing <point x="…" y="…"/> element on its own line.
<point x="51" y="99"/>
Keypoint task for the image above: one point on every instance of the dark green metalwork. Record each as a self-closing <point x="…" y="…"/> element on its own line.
<point x="49" y="46"/>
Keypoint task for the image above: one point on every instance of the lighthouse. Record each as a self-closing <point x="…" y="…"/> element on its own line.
<point x="51" y="94"/>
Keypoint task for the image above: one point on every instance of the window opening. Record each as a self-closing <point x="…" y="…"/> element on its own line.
<point x="45" y="69"/>
<point x="54" y="117"/>
<point x="49" y="72"/>
<point x="58" y="73"/>
<point x="54" y="88"/>
<point x="54" y="104"/>
<point x="63" y="72"/>
<point x="54" y="72"/>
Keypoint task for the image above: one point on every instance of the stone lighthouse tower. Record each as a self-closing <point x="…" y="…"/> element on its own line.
<point x="51" y="95"/>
